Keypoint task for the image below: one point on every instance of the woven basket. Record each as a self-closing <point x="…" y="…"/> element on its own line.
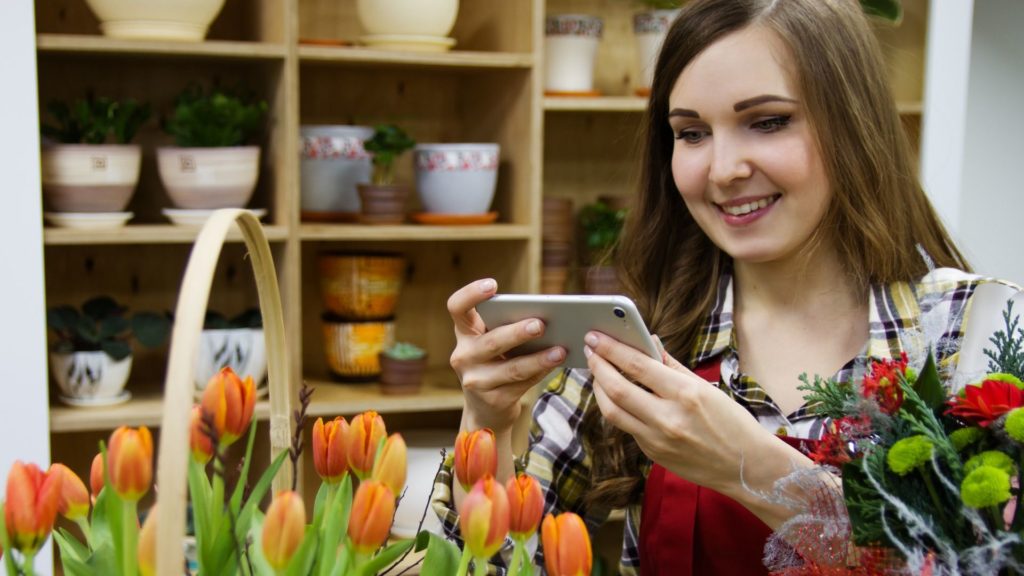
<point x="172" y="463"/>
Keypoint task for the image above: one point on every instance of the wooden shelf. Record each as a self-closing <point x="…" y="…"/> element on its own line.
<point x="144" y="234"/>
<point x="141" y="410"/>
<point x="417" y="232"/>
<point x="602" y="104"/>
<point x="214" y="49"/>
<point x="400" y="59"/>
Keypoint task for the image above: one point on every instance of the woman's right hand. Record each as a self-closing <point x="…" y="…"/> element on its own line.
<point x="492" y="384"/>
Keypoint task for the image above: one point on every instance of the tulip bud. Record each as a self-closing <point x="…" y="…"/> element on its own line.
<point x="329" y="449"/>
<point x="390" y="467"/>
<point x="130" y="458"/>
<point x="74" y="498"/>
<point x="229" y="402"/>
<point x="483" y="518"/>
<point x="199" y="438"/>
<point x="147" y="544"/>
<point x="566" y="545"/>
<point x="364" y="434"/>
<point x="476" y="456"/>
<point x="283" y="529"/>
<point x="31" y="505"/>
<point x="373" y="508"/>
<point x="96" y="475"/>
<point x="525" y="504"/>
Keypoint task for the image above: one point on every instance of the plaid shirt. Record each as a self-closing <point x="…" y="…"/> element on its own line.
<point x="904" y="317"/>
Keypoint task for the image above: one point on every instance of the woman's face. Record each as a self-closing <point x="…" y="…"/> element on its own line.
<point x="745" y="159"/>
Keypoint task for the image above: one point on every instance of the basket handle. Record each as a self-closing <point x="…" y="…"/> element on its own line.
<point x="172" y="463"/>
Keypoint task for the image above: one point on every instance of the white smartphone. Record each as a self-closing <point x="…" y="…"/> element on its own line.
<point x="567" y="319"/>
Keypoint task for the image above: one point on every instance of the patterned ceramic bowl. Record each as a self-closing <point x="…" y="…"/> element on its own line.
<point x="456" y="178"/>
<point x="333" y="161"/>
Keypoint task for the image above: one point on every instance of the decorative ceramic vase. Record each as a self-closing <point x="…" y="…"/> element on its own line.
<point x="649" y="29"/>
<point x="456" y="178"/>
<point x="90" y="378"/>
<point x="353" y="348"/>
<point x="333" y="161"/>
<point x="209" y="178"/>
<point x="183" y="20"/>
<point x="382" y="204"/>
<point x="361" y="286"/>
<point x="90" y="177"/>
<point x="244" y="350"/>
<point x="418" y="25"/>
<point x="401" y="376"/>
<point x="570" y="52"/>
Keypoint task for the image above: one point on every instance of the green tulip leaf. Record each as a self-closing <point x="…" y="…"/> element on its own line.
<point x="236" y="497"/>
<point x="336" y="525"/>
<point x="442" y="558"/>
<point x="73" y="554"/>
<point x="386" y="557"/>
<point x="260" y="565"/>
<point x="257" y="494"/>
<point x="302" y="561"/>
<point x="201" y="494"/>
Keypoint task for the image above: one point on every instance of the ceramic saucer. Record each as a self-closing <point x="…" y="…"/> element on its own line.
<point x="88" y="220"/>
<point x="412" y="42"/>
<point x="121" y="398"/>
<point x="198" y="217"/>
<point x="454" y="219"/>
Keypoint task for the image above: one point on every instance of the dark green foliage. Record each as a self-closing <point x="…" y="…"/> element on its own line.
<point x="929" y="387"/>
<point x="601" y="225"/>
<point x="827" y="397"/>
<point x="102" y="324"/>
<point x="96" y="120"/>
<point x="891" y="10"/>
<point x="214" y="118"/>
<point x="250" y="318"/>
<point x="1008" y="357"/>
<point x="387" y="143"/>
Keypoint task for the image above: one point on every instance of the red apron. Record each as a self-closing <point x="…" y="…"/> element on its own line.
<point x="686" y="529"/>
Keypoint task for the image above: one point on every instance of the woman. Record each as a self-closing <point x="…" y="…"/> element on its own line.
<point x="779" y="230"/>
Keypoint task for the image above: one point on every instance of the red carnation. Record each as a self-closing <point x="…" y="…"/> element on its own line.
<point x="882" y="382"/>
<point x="983" y="403"/>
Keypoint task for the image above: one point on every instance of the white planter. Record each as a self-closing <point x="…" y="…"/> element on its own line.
<point x="183" y="20"/>
<point x="434" y="18"/>
<point x="570" y="51"/>
<point x="456" y="178"/>
<point x="90" y="378"/>
<point x="209" y="178"/>
<point x="649" y="29"/>
<point x="333" y="161"/>
<point x="243" y="349"/>
<point x="90" y="177"/>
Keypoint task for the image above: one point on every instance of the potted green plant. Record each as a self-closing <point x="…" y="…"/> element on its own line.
<point x="383" y="201"/>
<point x="91" y="355"/>
<point x="88" y="162"/>
<point x="401" y="368"/>
<point x="236" y="342"/>
<point x="601" y="225"/>
<point x="212" y="165"/>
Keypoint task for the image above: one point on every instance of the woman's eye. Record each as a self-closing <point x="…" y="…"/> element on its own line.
<point x="772" y="124"/>
<point x="691" y="136"/>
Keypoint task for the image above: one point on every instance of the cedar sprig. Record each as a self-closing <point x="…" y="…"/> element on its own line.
<point x="1008" y="357"/>
<point x="827" y="397"/>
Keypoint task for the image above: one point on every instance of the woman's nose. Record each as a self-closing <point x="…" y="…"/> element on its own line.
<point x="729" y="161"/>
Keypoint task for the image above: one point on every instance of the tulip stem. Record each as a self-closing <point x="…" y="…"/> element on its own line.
<point x="464" y="561"/>
<point x="83" y="525"/>
<point x="479" y="567"/>
<point x="28" y="567"/>
<point x="517" y="558"/>
<point x="129" y="538"/>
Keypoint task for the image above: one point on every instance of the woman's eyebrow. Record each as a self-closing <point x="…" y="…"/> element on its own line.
<point x="756" y="100"/>
<point x="683" y="112"/>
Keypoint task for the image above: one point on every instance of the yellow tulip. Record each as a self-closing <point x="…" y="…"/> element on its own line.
<point x="390" y="466"/>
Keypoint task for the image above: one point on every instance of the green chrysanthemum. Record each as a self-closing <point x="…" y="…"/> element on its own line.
<point x="985" y="486"/>
<point x="1015" y="424"/>
<point x="993" y="458"/>
<point x="964" y="437"/>
<point x="909" y="454"/>
<point x="910" y="375"/>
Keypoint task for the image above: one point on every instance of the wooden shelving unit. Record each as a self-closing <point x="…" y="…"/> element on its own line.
<point x="143" y="234"/>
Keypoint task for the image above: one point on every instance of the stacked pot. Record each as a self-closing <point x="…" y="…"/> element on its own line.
<point x="360" y="293"/>
<point x="558" y="229"/>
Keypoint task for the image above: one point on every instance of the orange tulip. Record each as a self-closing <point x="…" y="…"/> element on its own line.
<point x="283" y="529"/>
<point x="372" y="511"/>
<point x="476" y="456"/>
<point x="229" y="401"/>
<point x="390" y="467"/>
<point x="566" y="545"/>
<point x="74" y="498"/>
<point x="130" y="459"/>
<point x="33" y="497"/>
<point x="329" y="449"/>
<point x="147" y="544"/>
<point x="525" y="504"/>
<point x="96" y="475"/>
<point x="483" y="518"/>
<point x="364" y="434"/>
<point x="199" y="440"/>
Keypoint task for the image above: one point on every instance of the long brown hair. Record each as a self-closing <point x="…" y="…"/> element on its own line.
<point x="878" y="220"/>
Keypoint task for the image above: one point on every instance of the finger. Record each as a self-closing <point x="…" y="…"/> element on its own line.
<point x="611" y="410"/>
<point x="659" y="377"/>
<point x="462" y="305"/>
<point x="497" y="342"/>
<point x="528" y="369"/>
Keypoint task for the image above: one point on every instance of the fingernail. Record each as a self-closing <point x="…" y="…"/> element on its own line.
<point x="487" y="285"/>
<point x="587" y="351"/>
<point x="590" y="338"/>
<point x="555" y="355"/>
<point x="533" y="328"/>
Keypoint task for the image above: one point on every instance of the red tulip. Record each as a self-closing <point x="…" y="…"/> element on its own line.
<point x="199" y="439"/>
<point x="147" y="544"/>
<point x="74" y="497"/>
<point x="33" y="497"/>
<point x="390" y="466"/>
<point x="365" y="433"/>
<point x="566" y="545"/>
<point x="483" y="518"/>
<point x="373" y="508"/>
<point x="476" y="456"/>
<point x="283" y="529"/>
<point x="985" y="402"/>
<point x="525" y="504"/>
<point x="130" y="458"/>
<point x="329" y="449"/>
<point x="229" y="401"/>
<point x="96" y="475"/>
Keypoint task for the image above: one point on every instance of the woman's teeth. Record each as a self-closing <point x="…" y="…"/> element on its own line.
<point x="749" y="207"/>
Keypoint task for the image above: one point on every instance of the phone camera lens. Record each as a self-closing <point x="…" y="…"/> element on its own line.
<point x="620" y="312"/>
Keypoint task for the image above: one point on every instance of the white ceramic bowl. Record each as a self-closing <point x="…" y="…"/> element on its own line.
<point x="209" y="178"/>
<point x="198" y="217"/>
<point x="88" y="220"/>
<point x="243" y="349"/>
<point x="90" y="177"/>
<point x="90" y="377"/>
<point x="456" y="178"/>
<point x="182" y="20"/>
<point x="412" y="17"/>
<point x="333" y="161"/>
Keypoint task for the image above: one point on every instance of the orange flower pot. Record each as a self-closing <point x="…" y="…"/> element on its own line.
<point x="361" y="286"/>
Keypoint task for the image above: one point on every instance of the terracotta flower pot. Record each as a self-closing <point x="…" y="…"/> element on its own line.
<point x="381" y="204"/>
<point x="401" y="376"/>
<point x="361" y="286"/>
<point x="353" y="348"/>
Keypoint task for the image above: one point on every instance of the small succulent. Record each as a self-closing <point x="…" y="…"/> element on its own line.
<point x="404" y="351"/>
<point x="102" y="324"/>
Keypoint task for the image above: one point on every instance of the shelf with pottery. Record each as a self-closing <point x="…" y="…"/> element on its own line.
<point x="145" y="234"/>
<point x="414" y="232"/>
<point x="89" y="44"/>
<point x="394" y="59"/>
<point x="440" y="392"/>
<point x="141" y="410"/>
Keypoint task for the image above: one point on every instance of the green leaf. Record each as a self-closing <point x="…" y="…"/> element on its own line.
<point x="302" y="562"/>
<point x="243" y="479"/>
<point x="117" y="349"/>
<point x="929" y="387"/>
<point x="101" y="307"/>
<point x="62" y="318"/>
<point x="150" y="329"/>
<point x="252" y="504"/>
<point x="442" y="558"/>
<point x="259" y="562"/>
<point x="336" y="526"/>
<point x="112" y="326"/>
<point x="201" y="494"/>
<point x="320" y="502"/>
<point x="73" y="554"/>
<point x="386" y="557"/>
<point x="343" y="559"/>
